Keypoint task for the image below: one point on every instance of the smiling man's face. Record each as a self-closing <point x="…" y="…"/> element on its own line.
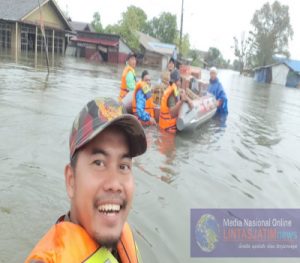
<point x="101" y="186"/>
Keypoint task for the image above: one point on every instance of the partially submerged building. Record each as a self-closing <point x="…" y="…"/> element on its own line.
<point x="155" y="53"/>
<point x="285" y="72"/>
<point x="97" y="46"/>
<point x="20" y="27"/>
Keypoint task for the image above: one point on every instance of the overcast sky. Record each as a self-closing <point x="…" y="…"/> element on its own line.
<point x="209" y="23"/>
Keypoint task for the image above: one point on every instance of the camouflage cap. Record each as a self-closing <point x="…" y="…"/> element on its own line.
<point x="100" y="113"/>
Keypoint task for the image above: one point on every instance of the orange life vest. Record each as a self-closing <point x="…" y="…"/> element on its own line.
<point x="149" y="106"/>
<point x="124" y="89"/>
<point x="166" y="121"/>
<point x="67" y="242"/>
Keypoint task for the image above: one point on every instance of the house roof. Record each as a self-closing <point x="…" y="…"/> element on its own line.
<point x="17" y="10"/>
<point x="293" y="64"/>
<point x="81" y="26"/>
<point x="154" y="45"/>
<point x="290" y="63"/>
<point x="98" y="41"/>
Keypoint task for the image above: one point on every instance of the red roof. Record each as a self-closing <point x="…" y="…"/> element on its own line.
<point x="98" y="41"/>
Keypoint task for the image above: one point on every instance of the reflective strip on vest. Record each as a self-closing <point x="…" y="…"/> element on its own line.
<point x="101" y="255"/>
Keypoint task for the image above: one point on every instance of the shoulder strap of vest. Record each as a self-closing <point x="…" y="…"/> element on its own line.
<point x="127" y="247"/>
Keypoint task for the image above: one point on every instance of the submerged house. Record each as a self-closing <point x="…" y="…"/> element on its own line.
<point x="285" y="72"/>
<point x="20" y="27"/>
<point x="96" y="46"/>
<point x="155" y="53"/>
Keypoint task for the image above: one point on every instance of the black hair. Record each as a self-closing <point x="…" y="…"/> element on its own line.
<point x="172" y="60"/>
<point x="144" y="73"/>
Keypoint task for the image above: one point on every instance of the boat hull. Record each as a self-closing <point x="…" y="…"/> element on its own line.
<point x="204" y="109"/>
<point x="127" y="101"/>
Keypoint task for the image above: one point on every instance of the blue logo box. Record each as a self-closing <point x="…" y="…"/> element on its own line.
<point x="245" y="232"/>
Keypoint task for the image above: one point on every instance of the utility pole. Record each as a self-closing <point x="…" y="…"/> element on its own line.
<point x="44" y="36"/>
<point x="181" y="29"/>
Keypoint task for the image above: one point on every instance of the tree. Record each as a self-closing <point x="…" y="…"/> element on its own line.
<point x="185" y="47"/>
<point x="236" y="65"/>
<point x="197" y="57"/>
<point x="163" y="27"/>
<point x="112" y="29"/>
<point x="242" y="50"/>
<point x="215" y="58"/>
<point x="271" y="33"/>
<point x="96" y="23"/>
<point x="133" y="20"/>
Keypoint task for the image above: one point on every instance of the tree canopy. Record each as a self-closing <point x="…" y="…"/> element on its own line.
<point x="134" y="19"/>
<point x="163" y="27"/>
<point x="96" y="23"/>
<point x="215" y="58"/>
<point x="271" y="33"/>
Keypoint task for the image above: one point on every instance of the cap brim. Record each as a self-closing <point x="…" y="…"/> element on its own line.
<point x="132" y="127"/>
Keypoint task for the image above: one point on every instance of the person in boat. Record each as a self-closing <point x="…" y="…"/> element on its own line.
<point x="172" y="100"/>
<point x="128" y="80"/>
<point x="158" y="90"/>
<point x="170" y="68"/>
<point x="142" y="101"/>
<point x="215" y="87"/>
<point x="171" y="65"/>
<point x="100" y="186"/>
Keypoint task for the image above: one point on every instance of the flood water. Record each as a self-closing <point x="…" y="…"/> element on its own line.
<point x="250" y="160"/>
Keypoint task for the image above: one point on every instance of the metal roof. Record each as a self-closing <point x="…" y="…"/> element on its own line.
<point x="293" y="64"/>
<point x="154" y="45"/>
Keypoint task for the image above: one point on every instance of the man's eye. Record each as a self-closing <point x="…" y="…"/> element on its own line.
<point x="125" y="167"/>
<point x="99" y="163"/>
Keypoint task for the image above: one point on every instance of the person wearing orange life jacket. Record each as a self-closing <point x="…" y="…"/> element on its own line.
<point x="100" y="186"/>
<point x="171" y="102"/>
<point x="142" y="101"/>
<point x="128" y="80"/>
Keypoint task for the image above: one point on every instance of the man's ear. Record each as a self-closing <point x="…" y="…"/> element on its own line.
<point x="70" y="180"/>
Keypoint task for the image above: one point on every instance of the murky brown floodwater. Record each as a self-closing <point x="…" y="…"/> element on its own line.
<point x="249" y="161"/>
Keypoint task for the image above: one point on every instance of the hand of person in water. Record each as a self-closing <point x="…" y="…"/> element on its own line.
<point x="219" y="103"/>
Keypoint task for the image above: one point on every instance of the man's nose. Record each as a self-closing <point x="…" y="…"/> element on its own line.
<point x="113" y="181"/>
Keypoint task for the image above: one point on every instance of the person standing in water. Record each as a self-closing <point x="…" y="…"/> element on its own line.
<point x="215" y="87"/>
<point x="128" y="80"/>
<point x="171" y="102"/>
<point x="142" y="102"/>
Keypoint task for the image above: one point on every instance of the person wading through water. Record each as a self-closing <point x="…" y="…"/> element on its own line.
<point x="128" y="80"/>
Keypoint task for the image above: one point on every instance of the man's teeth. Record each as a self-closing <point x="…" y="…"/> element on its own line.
<point x="109" y="208"/>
